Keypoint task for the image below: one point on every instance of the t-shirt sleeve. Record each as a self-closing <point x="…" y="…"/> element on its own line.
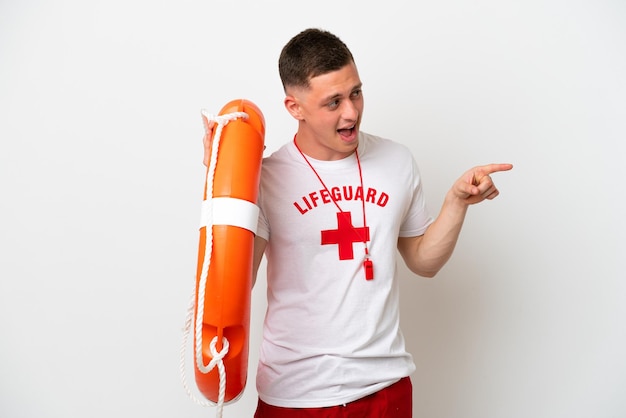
<point x="418" y="217"/>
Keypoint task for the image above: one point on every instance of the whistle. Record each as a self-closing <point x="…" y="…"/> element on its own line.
<point x="369" y="269"/>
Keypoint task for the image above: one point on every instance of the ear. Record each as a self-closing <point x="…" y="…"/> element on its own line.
<point x="293" y="107"/>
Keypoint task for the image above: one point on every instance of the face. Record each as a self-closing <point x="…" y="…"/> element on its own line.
<point x="328" y="113"/>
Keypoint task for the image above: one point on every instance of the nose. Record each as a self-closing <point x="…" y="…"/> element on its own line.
<point x="350" y="111"/>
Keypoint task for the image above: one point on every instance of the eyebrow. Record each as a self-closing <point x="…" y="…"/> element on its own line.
<point x="339" y="95"/>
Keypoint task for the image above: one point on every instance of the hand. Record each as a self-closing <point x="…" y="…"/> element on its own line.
<point x="207" y="140"/>
<point x="475" y="185"/>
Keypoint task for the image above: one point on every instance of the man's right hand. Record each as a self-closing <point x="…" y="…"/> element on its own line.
<point x="207" y="140"/>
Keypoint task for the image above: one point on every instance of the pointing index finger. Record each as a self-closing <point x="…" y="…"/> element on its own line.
<point x="494" y="168"/>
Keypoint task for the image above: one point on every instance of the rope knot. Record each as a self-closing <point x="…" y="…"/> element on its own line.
<point x="222" y="120"/>
<point x="218" y="356"/>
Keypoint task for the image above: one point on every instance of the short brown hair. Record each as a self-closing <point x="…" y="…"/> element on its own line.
<point x="310" y="53"/>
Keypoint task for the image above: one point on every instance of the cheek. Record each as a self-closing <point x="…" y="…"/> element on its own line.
<point x="360" y="107"/>
<point x="324" y="123"/>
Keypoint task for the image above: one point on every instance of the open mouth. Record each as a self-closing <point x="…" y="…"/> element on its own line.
<point x="346" y="132"/>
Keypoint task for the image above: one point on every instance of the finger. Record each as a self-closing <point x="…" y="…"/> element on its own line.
<point x="466" y="189"/>
<point x="494" y="168"/>
<point x="490" y="190"/>
<point x="208" y="125"/>
<point x="492" y="195"/>
<point x="207" y="139"/>
<point x="486" y="190"/>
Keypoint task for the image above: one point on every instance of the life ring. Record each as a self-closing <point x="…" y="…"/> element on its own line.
<point x="225" y="253"/>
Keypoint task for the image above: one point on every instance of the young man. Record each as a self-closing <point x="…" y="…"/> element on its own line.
<point x="335" y="205"/>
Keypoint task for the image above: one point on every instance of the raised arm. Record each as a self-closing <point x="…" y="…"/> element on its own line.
<point x="425" y="255"/>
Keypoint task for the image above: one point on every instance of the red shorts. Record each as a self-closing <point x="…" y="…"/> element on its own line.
<point x="395" y="401"/>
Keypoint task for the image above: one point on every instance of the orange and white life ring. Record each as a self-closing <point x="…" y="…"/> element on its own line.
<point x="225" y="253"/>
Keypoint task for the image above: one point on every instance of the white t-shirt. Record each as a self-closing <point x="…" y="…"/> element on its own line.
<point x="330" y="336"/>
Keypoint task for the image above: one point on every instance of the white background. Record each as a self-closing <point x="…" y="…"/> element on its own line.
<point x="101" y="179"/>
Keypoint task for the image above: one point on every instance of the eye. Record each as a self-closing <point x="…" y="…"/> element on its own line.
<point x="356" y="94"/>
<point x="334" y="104"/>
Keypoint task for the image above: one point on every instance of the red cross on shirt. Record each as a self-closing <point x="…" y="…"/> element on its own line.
<point x="345" y="235"/>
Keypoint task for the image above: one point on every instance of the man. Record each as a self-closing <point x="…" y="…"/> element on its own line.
<point x="335" y="205"/>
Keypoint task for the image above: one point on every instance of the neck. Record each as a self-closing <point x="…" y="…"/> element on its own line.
<point x="321" y="153"/>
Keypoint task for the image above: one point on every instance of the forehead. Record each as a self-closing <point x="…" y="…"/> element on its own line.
<point x="339" y="82"/>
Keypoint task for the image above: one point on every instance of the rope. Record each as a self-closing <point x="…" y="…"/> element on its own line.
<point x="218" y="356"/>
